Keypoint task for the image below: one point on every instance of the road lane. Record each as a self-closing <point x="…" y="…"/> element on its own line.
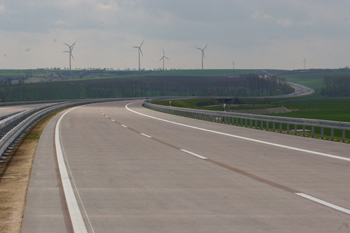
<point x="132" y="183"/>
<point x="45" y="208"/>
<point x="292" y="167"/>
<point x="4" y="110"/>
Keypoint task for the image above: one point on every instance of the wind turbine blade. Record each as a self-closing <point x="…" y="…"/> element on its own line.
<point x="167" y="58"/>
<point x="161" y="58"/>
<point x="73" y="45"/>
<point x="198" y="48"/>
<point x="66" y="44"/>
<point x="205" y="47"/>
<point x="72" y="56"/>
<point x="65" y="51"/>
<point x="135" y="47"/>
<point x="141" y="50"/>
<point x="203" y="55"/>
<point x="141" y="43"/>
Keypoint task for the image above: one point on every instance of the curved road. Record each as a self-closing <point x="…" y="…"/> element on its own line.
<point x="138" y="170"/>
<point x="16" y="108"/>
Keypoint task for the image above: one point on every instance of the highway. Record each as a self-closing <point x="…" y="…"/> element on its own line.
<point x="4" y="110"/>
<point x="132" y="169"/>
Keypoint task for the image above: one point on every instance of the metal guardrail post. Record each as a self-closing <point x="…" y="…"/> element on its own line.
<point x="343" y="135"/>
<point x="313" y="131"/>
<point x="321" y="132"/>
<point x="304" y="130"/>
<point x="295" y="129"/>
<point x="287" y="128"/>
<point x="332" y="134"/>
<point x="280" y="127"/>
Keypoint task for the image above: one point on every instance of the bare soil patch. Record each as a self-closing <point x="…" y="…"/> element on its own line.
<point x="14" y="179"/>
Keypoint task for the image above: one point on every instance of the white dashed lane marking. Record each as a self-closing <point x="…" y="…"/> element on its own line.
<point x="194" y="154"/>
<point x="145" y="135"/>
<point x="311" y="198"/>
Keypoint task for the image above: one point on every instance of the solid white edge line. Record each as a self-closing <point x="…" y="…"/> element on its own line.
<point x="145" y="135"/>
<point x="194" y="154"/>
<point x="244" y="138"/>
<point x="125" y="126"/>
<point x="112" y="120"/>
<point x="311" y="198"/>
<point x="73" y="208"/>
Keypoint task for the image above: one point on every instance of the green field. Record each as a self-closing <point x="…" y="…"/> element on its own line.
<point x="11" y="74"/>
<point x="310" y="107"/>
<point x="140" y="74"/>
<point x="190" y="103"/>
<point x="314" y="80"/>
<point x="325" y="108"/>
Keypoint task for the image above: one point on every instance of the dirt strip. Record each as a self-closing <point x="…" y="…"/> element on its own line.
<point x="14" y="179"/>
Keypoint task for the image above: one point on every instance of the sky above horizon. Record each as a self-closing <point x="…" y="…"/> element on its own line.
<point x="254" y="34"/>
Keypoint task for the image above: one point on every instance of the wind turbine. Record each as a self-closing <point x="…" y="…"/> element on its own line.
<point x="140" y="51"/>
<point x="70" y="53"/>
<point x="163" y="58"/>
<point x="304" y="64"/>
<point x="203" y="56"/>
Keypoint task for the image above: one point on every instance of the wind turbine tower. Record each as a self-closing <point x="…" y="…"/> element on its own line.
<point x="163" y="58"/>
<point x="140" y="51"/>
<point x="203" y="56"/>
<point x="71" y="47"/>
<point x="304" y="64"/>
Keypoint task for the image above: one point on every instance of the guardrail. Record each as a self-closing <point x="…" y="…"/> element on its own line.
<point x="22" y="121"/>
<point x="258" y="121"/>
<point x="8" y="121"/>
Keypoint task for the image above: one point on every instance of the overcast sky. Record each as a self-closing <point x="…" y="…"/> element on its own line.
<point x="255" y="34"/>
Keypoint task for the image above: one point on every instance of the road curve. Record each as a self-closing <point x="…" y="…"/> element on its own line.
<point x="138" y="170"/>
<point x="16" y="108"/>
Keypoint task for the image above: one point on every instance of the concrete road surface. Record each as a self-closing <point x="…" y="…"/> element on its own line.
<point x="137" y="170"/>
<point x="16" y="108"/>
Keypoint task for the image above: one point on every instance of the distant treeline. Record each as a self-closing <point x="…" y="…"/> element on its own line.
<point x="336" y="86"/>
<point x="251" y="85"/>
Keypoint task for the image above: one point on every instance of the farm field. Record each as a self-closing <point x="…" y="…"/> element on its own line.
<point x="324" y="108"/>
<point x="310" y="107"/>
<point x="313" y="80"/>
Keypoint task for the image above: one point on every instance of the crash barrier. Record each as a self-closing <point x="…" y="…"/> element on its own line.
<point x="15" y="125"/>
<point x="261" y="122"/>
